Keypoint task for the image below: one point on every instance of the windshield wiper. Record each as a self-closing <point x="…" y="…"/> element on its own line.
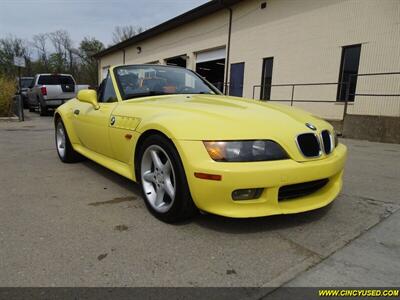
<point x="196" y="93"/>
<point x="144" y="94"/>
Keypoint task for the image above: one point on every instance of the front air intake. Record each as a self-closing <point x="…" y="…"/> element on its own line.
<point x="301" y="189"/>
<point x="309" y="145"/>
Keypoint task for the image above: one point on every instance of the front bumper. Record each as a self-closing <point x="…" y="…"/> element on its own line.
<point x="215" y="196"/>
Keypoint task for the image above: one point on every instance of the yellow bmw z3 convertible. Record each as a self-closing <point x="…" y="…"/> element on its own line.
<point x="192" y="148"/>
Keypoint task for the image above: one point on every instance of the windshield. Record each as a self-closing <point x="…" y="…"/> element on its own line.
<point x="26" y="82"/>
<point x="151" y="80"/>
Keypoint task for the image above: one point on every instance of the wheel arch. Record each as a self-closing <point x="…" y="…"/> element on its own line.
<point x="188" y="207"/>
<point x="59" y="115"/>
<point x="143" y="136"/>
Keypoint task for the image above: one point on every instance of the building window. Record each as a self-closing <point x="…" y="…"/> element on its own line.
<point x="266" y="79"/>
<point x="348" y="68"/>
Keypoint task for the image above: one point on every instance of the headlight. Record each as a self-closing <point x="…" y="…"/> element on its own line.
<point x="244" y="151"/>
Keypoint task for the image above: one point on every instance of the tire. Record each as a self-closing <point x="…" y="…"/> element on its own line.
<point x="25" y="101"/>
<point x="64" y="148"/>
<point x="42" y="109"/>
<point x="163" y="180"/>
<point x="31" y="109"/>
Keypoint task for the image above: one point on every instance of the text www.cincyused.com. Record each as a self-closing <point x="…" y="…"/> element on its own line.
<point x="358" y="293"/>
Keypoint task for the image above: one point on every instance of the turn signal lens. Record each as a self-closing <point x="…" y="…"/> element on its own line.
<point x="216" y="150"/>
<point x="208" y="176"/>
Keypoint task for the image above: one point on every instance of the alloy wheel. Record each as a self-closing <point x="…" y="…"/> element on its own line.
<point x="60" y="139"/>
<point x="158" y="178"/>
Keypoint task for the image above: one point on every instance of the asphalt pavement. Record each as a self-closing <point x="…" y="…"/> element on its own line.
<point x="83" y="225"/>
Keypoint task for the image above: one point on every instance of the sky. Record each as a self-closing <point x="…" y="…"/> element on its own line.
<point x="81" y="18"/>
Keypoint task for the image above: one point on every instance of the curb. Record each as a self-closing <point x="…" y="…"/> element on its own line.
<point x="9" y="119"/>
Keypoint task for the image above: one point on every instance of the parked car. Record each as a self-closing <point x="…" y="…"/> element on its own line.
<point x="48" y="91"/>
<point x="26" y="82"/>
<point x="190" y="147"/>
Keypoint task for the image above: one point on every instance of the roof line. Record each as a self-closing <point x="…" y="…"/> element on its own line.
<point x="189" y="16"/>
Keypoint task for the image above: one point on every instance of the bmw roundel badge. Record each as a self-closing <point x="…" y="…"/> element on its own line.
<point x="112" y="121"/>
<point x="311" y="126"/>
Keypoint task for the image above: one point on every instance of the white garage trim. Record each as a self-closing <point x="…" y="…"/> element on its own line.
<point x="211" y="55"/>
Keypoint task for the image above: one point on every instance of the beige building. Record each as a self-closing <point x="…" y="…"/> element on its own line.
<point x="312" y="54"/>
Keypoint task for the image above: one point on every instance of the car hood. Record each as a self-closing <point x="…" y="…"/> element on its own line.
<point x="217" y="117"/>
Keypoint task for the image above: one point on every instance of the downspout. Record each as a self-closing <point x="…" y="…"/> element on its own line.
<point x="98" y="72"/>
<point x="228" y="51"/>
<point x="123" y="56"/>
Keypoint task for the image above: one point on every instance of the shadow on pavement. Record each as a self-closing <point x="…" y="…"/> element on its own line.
<point x="252" y="225"/>
<point x="114" y="177"/>
<point x="219" y="223"/>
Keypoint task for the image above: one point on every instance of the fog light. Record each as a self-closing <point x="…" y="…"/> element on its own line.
<point x="247" y="194"/>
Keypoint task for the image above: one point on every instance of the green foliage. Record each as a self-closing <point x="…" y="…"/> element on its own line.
<point x="10" y="47"/>
<point x="7" y="91"/>
<point x="88" y="71"/>
<point x="57" y="63"/>
<point x="90" y="46"/>
<point x="62" y="59"/>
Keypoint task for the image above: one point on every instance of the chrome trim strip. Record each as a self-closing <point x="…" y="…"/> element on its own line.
<point x="332" y="142"/>
<point x="331" y="138"/>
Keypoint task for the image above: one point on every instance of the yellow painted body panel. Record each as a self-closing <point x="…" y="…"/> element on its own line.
<point x="215" y="196"/>
<point x="190" y="119"/>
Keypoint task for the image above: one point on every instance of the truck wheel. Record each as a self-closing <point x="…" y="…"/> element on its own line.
<point x="65" y="152"/>
<point x="42" y="109"/>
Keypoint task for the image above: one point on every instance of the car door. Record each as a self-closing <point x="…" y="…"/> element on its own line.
<point x="91" y="125"/>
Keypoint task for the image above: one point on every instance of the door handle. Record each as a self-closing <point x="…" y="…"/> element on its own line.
<point x="76" y="111"/>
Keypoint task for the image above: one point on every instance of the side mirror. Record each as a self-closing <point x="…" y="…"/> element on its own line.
<point x="88" y="96"/>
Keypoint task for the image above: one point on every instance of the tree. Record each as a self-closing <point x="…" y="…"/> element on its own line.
<point x="61" y="59"/>
<point x="90" y="46"/>
<point x="40" y="44"/>
<point x="88" y="67"/>
<point x="9" y="48"/>
<point x="53" y="52"/>
<point x="123" y="33"/>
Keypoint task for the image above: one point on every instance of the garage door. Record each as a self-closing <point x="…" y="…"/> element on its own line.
<point x="211" y="55"/>
<point x="211" y="65"/>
